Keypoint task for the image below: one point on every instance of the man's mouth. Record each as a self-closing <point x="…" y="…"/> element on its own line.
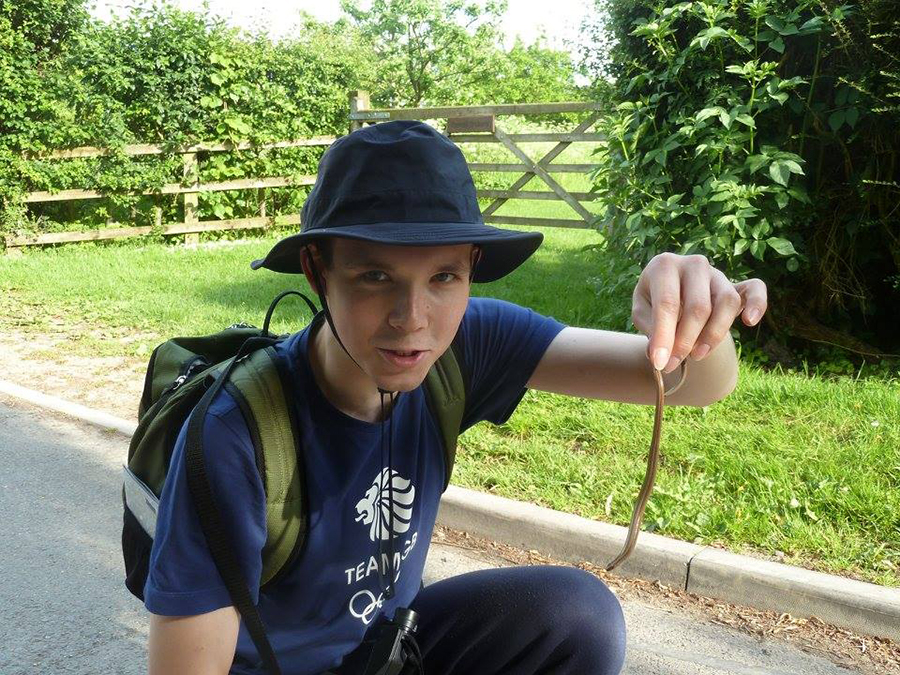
<point x="402" y="357"/>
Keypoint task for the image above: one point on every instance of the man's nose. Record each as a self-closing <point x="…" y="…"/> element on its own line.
<point x="410" y="310"/>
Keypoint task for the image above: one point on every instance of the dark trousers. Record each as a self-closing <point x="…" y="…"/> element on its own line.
<point x="538" y="620"/>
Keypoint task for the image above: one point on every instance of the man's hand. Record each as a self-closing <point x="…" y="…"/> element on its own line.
<point x="686" y="306"/>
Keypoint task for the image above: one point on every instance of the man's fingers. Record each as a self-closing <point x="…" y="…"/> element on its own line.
<point x="755" y="297"/>
<point x="665" y="307"/>
<point x="688" y="308"/>
<point x="696" y="294"/>
<point x="726" y="303"/>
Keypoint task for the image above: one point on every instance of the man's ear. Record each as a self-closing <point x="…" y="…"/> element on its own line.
<point x="312" y="265"/>
<point x="475" y="257"/>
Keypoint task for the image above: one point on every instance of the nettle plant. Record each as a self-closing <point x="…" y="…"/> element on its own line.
<point x="698" y="157"/>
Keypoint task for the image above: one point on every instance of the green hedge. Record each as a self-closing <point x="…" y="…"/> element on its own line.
<point x="762" y="134"/>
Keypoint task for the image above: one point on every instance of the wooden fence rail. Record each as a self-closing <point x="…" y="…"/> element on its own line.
<point x="190" y="189"/>
<point x="466" y="124"/>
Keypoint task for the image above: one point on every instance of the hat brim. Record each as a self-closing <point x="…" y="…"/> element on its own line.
<point x="502" y="251"/>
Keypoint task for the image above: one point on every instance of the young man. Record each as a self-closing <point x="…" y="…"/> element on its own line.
<point x="392" y="237"/>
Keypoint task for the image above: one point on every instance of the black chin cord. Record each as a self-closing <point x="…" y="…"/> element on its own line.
<point x="385" y="419"/>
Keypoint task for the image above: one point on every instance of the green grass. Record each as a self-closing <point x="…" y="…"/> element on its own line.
<point x="789" y="462"/>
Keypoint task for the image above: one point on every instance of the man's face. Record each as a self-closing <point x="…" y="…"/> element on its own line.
<point x="397" y="308"/>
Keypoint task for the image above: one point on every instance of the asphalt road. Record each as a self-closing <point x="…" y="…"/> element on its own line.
<point x="64" y="608"/>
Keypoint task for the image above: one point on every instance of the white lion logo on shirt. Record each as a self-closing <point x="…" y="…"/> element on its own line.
<point x="375" y="508"/>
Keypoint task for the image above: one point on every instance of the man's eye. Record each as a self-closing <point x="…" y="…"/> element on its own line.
<point x="374" y="276"/>
<point x="444" y="277"/>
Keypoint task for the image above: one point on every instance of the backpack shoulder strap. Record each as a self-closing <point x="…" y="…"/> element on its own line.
<point x="445" y="390"/>
<point x="214" y="531"/>
<point x="259" y="383"/>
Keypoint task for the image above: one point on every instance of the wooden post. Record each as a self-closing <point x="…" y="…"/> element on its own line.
<point x="359" y="101"/>
<point x="191" y="175"/>
<point x="12" y="251"/>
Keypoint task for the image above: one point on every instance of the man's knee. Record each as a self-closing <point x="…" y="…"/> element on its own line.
<point x="589" y="617"/>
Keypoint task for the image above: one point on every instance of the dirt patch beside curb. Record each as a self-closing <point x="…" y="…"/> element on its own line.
<point x="112" y="384"/>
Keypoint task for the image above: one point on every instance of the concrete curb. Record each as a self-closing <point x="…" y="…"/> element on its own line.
<point x="856" y="605"/>
<point x="96" y="417"/>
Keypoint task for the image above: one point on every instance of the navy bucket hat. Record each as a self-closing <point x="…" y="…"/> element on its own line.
<point x="400" y="183"/>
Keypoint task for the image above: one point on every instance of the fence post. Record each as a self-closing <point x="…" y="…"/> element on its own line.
<point x="191" y="175"/>
<point x="359" y="101"/>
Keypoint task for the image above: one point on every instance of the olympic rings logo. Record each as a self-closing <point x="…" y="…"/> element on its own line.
<point x="368" y="611"/>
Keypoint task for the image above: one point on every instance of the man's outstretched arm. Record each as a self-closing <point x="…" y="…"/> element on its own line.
<point x="614" y="367"/>
<point x="203" y="644"/>
<point x="685" y="308"/>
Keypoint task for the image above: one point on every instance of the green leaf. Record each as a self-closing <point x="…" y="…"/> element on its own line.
<point x="814" y="25"/>
<point x="782" y="199"/>
<point x="238" y="125"/>
<point x="799" y="194"/>
<point x="778" y="45"/>
<point x="836" y="119"/>
<point x="746" y="119"/>
<point x="755" y="162"/>
<point x="851" y="115"/>
<point x="709" y="112"/>
<point x="216" y="79"/>
<point x="741" y="41"/>
<point x="782" y="246"/>
<point x="704" y="36"/>
<point x="779" y="172"/>
<point x="793" y="265"/>
<point x="794" y="167"/>
<point x="754" y="249"/>
<point x="725" y="119"/>
<point x="741" y="245"/>
<point x="775" y="23"/>
<point x="729" y="219"/>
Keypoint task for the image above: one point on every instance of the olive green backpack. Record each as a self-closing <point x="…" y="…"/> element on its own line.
<point x="183" y="376"/>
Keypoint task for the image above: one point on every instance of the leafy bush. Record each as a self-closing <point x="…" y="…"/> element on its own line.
<point x="762" y="134"/>
<point x="171" y="77"/>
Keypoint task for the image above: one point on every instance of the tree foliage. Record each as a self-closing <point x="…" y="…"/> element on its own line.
<point x="762" y="134"/>
<point x="424" y="47"/>
<point x="439" y="52"/>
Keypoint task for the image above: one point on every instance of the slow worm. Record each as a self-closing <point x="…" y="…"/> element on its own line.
<point x="652" y="460"/>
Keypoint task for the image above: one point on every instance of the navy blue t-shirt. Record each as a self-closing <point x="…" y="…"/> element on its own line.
<point x="321" y="607"/>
